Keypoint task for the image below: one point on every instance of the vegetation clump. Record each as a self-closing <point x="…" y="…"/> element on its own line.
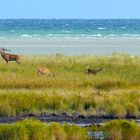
<point x="36" y="130"/>
<point x="118" y="130"/>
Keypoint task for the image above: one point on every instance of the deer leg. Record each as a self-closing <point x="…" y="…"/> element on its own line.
<point x="17" y="60"/>
<point x="38" y="72"/>
<point x="6" y="61"/>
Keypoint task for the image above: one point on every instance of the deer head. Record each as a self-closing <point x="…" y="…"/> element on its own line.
<point x="4" y="49"/>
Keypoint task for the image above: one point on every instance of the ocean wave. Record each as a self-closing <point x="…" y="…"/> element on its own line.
<point x="101" y="28"/>
<point x="26" y="36"/>
<point x="66" y="24"/>
<point x="97" y="35"/>
<point x="66" y="31"/>
<point x="112" y="35"/>
<point x="36" y="35"/>
<point x="123" y="27"/>
<point x="131" y="35"/>
<point x="50" y="35"/>
<point x="12" y="31"/>
<point x="83" y="35"/>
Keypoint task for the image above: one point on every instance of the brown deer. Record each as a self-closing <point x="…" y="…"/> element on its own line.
<point x="9" y="57"/>
<point x="44" y="71"/>
<point x="93" y="71"/>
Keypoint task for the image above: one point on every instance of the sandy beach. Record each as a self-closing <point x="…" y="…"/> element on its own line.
<point x="65" y="46"/>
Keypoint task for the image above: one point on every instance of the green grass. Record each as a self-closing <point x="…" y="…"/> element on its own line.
<point x="35" y="130"/>
<point x="30" y="129"/>
<point x="120" y="71"/>
<point x="119" y="130"/>
<point x="114" y="91"/>
<point x="118" y="104"/>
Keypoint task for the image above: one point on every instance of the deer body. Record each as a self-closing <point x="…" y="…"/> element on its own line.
<point x="44" y="71"/>
<point x="9" y="57"/>
<point x="93" y="71"/>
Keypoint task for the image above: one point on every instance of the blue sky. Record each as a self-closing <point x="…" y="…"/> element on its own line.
<point x="84" y="9"/>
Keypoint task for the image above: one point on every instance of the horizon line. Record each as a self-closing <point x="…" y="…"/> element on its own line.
<point x="69" y="18"/>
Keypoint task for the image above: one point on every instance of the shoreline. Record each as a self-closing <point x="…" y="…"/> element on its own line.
<point x="78" y="119"/>
<point x="72" y="41"/>
<point x="70" y="47"/>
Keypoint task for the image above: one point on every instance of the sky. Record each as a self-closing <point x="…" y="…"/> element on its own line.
<point x="69" y="9"/>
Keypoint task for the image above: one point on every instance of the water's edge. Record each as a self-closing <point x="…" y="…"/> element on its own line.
<point x="79" y="120"/>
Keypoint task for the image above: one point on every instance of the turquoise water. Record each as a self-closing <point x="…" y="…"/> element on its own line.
<point x="68" y="28"/>
<point x="70" y="37"/>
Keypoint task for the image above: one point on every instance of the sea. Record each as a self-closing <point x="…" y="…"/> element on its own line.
<point x="70" y="36"/>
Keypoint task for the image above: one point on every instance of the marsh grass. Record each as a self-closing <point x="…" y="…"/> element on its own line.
<point x="118" y="130"/>
<point x="122" y="130"/>
<point x="114" y="91"/>
<point x="116" y="104"/>
<point x="36" y="130"/>
<point x="30" y="129"/>
<point x="120" y="71"/>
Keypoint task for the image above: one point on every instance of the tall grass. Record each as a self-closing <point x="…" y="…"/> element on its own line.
<point x="120" y="103"/>
<point x="118" y="130"/>
<point x="122" y="130"/>
<point x="120" y="71"/>
<point x="35" y="130"/>
<point x="112" y="92"/>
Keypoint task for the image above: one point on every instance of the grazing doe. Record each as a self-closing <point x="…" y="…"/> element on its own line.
<point x="9" y="57"/>
<point x="93" y="71"/>
<point x="44" y="71"/>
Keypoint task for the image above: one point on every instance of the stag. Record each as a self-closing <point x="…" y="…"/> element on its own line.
<point x="93" y="71"/>
<point x="9" y="57"/>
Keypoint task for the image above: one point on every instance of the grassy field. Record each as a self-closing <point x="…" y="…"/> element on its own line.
<point x="114" y="91"/>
